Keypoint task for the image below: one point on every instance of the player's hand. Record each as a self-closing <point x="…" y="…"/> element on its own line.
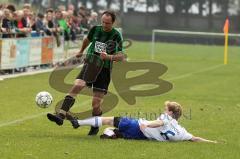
<point x="215" y="142"/>
<point x="143" y="126"/>
<point x="103" y="55"/>
<point x="79" y="54"/>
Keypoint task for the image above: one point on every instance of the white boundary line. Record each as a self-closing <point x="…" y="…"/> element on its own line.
<point x="192" y="73"/>
<point x="2" y="77"/>
<point x="22" y="119"/>
<point x="44" y="113"/>
<point x="34" y="116"/>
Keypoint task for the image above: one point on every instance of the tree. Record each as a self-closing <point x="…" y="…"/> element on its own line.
<point x="52" y="3"/>
<point x="94" y="4"/>
<point x="109" y="2"/>
<point x="84" y="2"/>
<point x="224" y="5"/>
<point x="210" y="16"/>
<point x="162" y="5"/>
<point x="200" y="7"/>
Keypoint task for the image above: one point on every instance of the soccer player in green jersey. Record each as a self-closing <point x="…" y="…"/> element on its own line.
<point x="105" y="47"/>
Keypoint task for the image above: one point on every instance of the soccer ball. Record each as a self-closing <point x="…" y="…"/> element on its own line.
<point x="43" y="99"/>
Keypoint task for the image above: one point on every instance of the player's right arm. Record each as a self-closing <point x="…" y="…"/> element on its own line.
<point x="199" y="139"/>
<point x="86" y="42"/>
<point x="152" y="124"/>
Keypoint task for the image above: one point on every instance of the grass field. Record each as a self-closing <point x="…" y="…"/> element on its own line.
<point x="207" y="89"/>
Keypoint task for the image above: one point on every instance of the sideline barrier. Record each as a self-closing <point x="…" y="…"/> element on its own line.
<point x="32" y="51"/>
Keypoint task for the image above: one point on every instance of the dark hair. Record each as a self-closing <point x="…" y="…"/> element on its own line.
<point x="49" y="10"/>
<point x="82" y="8"/>
<point x="11" y="7"/>
<point x="110" y="13"/>
<point x="40" y="15"/>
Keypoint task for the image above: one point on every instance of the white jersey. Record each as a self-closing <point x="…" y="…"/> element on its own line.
<point x="170" y="131"/>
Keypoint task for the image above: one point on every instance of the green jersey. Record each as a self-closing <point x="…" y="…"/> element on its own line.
<point x="63" y="24"/>
<point x="101" y="41"/>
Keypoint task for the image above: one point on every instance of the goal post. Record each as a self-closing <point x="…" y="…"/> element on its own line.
<point x="192" y="33"/>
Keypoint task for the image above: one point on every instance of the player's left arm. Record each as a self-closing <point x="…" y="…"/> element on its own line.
<point x="119" y="54"/>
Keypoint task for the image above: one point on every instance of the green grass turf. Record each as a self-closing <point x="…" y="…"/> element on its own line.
<point x="205" y="87"/>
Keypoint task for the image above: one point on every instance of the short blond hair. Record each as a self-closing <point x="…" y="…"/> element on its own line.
<point x="174" y="107"/>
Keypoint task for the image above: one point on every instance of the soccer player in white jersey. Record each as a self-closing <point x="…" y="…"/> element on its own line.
<point x="165" y="128"/>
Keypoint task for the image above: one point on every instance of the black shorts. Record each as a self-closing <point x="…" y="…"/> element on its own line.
<point x="97" y="78"/>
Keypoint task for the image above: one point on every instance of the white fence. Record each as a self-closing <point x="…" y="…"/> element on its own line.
<point x="24" y="52"/>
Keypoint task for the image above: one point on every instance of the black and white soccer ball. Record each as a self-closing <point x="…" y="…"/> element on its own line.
<point x="44" y="99"/>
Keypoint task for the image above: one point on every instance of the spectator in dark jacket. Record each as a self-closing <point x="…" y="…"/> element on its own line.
<point x="39" y="26"/>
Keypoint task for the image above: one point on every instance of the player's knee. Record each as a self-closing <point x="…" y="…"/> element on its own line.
<point x="77" y="87"/>
<point x="79" y="83"/>
<point x="109" y="122"/>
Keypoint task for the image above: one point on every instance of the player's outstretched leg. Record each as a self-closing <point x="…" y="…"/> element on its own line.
<point x="93" y="121"/>
<point x="68" y="102"/>
<point x="66" y="105"/>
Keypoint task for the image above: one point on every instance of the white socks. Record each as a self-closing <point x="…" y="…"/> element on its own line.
<point x="94" y="121"/>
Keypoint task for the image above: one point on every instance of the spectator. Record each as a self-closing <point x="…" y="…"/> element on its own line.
<point x="74" y="29"/>
<point x="1" y="6"/>
<point x="72" y="9"/>
<point x="50" y="25"/>
<point x="82" y="11"/>
<point x="20" y="24"/>
<point x="27" y="13"/>
<point x="23" y="21"/>
<point x="61" y="18"/>
<point x="84" y="22"/>
<point x="1" y="16"/>
<point x="52" y="28"/>
<point x="7" y="24"/>
<point x="32" y="20"/>
<point x="27" y="6"/>
<point x="70" y="13"/>
<point x="61" y="8"/>
<point x="39" y="26"/>
<point x="11" y="8"/>
<point x="93" y="20"/>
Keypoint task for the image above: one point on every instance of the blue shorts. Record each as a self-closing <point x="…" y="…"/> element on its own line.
<point x="130" y="129"/>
